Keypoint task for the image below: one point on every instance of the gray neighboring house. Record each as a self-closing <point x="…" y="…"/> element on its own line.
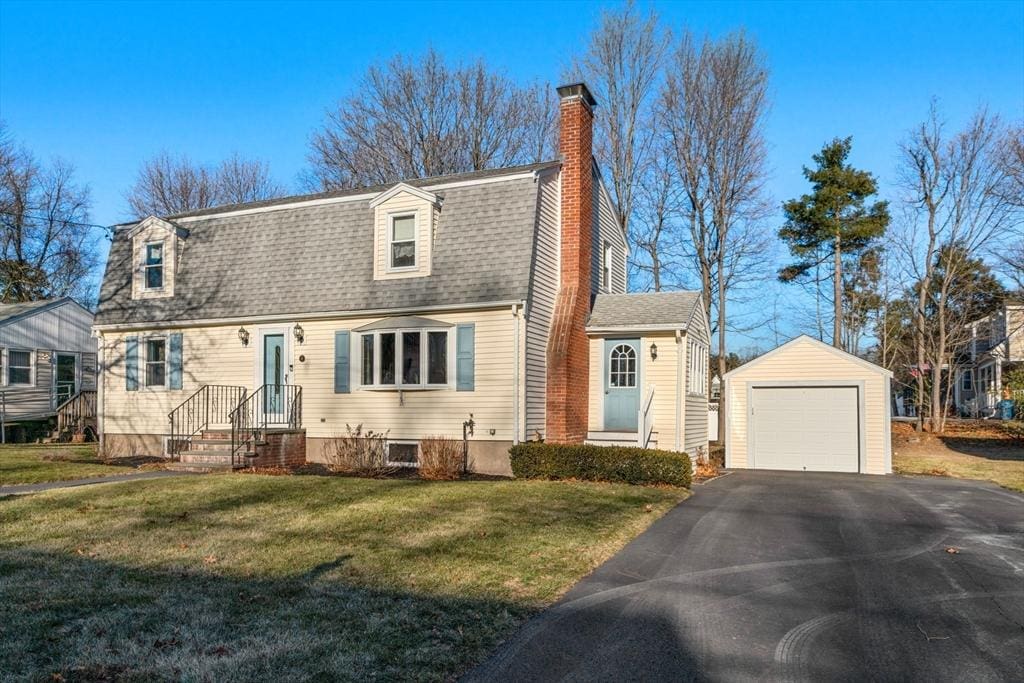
<point x="47" y="358"/>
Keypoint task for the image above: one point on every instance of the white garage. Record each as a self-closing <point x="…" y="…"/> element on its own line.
<point x="807" y="406"/>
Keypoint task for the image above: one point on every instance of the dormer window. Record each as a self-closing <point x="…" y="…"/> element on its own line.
<point x="154" y="265"/>
<point x="402" y="242"/>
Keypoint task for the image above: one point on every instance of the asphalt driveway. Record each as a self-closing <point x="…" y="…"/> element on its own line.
<point x="779" y="576"/>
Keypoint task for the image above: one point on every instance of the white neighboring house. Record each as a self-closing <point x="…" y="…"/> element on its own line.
<point x="47" y="358"/>
<point x="996" y="346"/>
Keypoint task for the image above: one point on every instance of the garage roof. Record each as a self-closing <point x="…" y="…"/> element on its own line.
<point x="839" y="353"/>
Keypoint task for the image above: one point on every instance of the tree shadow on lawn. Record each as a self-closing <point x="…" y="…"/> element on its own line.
<point x="989" y="449"/>
<point x="88" y="619"/>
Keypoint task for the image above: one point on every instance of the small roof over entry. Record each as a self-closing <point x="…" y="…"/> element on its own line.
<point x="646" y="311"/>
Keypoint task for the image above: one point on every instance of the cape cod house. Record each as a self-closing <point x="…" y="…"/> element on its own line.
<point x="489" y="306"/>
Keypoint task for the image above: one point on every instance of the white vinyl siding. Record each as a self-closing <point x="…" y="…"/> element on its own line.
<point x="695" y="405"/>
<point x="216" y="356"/>
<point x="606" y="229"/>
<point x="539" y="308"/>
<point x="805" y="362"/>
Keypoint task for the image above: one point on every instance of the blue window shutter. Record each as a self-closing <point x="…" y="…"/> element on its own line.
<point x="341" y="362"/>
<point x="465" y="353"/>
<point x="174" y="365"/>
<point x="131" y="363"/>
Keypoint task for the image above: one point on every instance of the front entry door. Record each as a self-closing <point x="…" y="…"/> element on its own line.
<point x="621" y="384"/>
<point x="65" y="377"/>
<point x="275" y="376"/>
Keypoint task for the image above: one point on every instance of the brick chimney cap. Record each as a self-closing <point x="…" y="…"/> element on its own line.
<point x="577" y="90"/>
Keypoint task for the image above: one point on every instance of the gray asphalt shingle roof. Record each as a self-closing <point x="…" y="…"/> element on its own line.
<point x="16" y="310"/>
<point x="319" y="258"/>
<point x="652" y="309"/>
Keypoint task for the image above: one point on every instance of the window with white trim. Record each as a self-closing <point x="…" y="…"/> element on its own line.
<point x="404" y="453"/>
<point x="622" y="366"/>
<point x="404" y="358"/>
<point x="156" y="362"/>
<point x="19" y="367"/>
<point x="966" y="381"/>
<point x="154" y="265"/>
<point x="698" y="368"/>
<point x="606" y="271"/>
<point x="402" y="242"/>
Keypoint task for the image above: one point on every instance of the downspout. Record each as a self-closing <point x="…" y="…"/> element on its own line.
<point x="515" y="376"/>
<point x="679" y="390"/>
<point x="101" y="377"/>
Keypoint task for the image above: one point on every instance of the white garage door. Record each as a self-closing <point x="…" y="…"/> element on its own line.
<point x="806" y="428"/>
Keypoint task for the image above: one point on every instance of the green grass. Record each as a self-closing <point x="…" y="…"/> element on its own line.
<point x="37" y="464"/>
<point x="242" y="577"/>
<point x="1006" y="471"/>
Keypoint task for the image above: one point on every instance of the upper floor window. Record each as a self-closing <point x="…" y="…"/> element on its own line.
<point x="156" y="362"/>
<point x="402" y="242"/>
<point x="606" y="271"/>
<point x="154" y="265"/>
<point x="19" y="367"/>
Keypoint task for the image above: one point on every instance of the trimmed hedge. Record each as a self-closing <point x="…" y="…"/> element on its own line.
<point x="537" y="460"/>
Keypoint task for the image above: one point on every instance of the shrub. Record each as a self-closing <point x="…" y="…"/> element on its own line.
<point x="359" y="452"/>
<point x="600" y="463"/>
<point x="441" y="458"/>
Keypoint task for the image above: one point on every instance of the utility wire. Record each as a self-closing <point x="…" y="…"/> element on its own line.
<point x="45" y="218"/>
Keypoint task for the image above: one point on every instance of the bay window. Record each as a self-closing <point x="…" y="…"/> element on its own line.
<point x="405" y="358"/>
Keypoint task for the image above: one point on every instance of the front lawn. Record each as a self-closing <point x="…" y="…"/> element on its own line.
<point x="36" y="464"/>
<point x="244" y="577"/>
<point x="985" y="450"/>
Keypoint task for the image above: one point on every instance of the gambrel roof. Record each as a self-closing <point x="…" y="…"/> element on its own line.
<point x="313" y="254"/>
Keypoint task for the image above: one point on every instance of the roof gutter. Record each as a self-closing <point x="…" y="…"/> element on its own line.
<point x="285" y="317"/>
<point x="616" y="329"/>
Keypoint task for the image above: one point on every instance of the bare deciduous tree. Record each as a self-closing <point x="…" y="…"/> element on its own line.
<point x="714" y="103"/>
<point x="622" y="65"/>
<point x="168" y="185"/>
<point x="416" y="118"/>
<point x="958" y="209"/>
<point x="238" y="181"/>
<point x="48" y="248"/>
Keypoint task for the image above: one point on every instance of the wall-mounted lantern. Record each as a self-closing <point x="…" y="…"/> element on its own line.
<point x="654" y="351"/>
<point x="243" y="336"/>
<point x="300" y="334"/>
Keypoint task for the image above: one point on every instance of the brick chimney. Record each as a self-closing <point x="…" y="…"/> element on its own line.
<point x="568" y="346"/>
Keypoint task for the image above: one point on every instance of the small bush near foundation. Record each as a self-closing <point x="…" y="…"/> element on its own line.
<point x="441" y="458"/>
<point x="359" y="452"/>
<point x="600" y="463"/>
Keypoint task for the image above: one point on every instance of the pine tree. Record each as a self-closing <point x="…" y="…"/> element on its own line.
<point x="834" y="220"/>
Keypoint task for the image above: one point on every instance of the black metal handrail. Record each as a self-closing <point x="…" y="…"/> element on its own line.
<point x="270" y="406"/>
<point x="211" y="404"/>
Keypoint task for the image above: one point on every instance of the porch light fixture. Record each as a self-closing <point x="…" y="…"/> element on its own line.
<point x="654" y="351"/>
<point x="243" y="336"/>
<point x="300" y="334"/>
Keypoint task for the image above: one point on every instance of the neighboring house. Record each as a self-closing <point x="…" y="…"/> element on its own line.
<point x="490" y="304"/>
<point x="996" y="346"/>
<point x="47" y="358"/>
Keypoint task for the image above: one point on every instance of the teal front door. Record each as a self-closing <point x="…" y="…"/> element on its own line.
<point x="621" y="384"/>
<point x="273" y="376"/>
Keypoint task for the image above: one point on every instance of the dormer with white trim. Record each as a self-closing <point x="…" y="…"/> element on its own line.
<point x="156" y="245"/>
<point x="405" y="220"/>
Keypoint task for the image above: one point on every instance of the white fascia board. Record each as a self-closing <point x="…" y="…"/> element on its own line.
<point x="299" y="317"/>
<point x="350" y="198"/>
<point x="399" y="189"/>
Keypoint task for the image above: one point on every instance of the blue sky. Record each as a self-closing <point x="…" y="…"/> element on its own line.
<point x="108" y="85"/>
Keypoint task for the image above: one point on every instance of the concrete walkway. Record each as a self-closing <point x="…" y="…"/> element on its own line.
<point x="21" y="489"/>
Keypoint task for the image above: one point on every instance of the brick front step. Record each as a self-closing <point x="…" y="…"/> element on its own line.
<point x="197" y="467"/>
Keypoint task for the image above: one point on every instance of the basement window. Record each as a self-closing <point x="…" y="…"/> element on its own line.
<point x="404" y="453"/>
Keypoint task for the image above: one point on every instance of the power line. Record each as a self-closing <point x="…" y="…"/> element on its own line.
<point x="45" y="218"/>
